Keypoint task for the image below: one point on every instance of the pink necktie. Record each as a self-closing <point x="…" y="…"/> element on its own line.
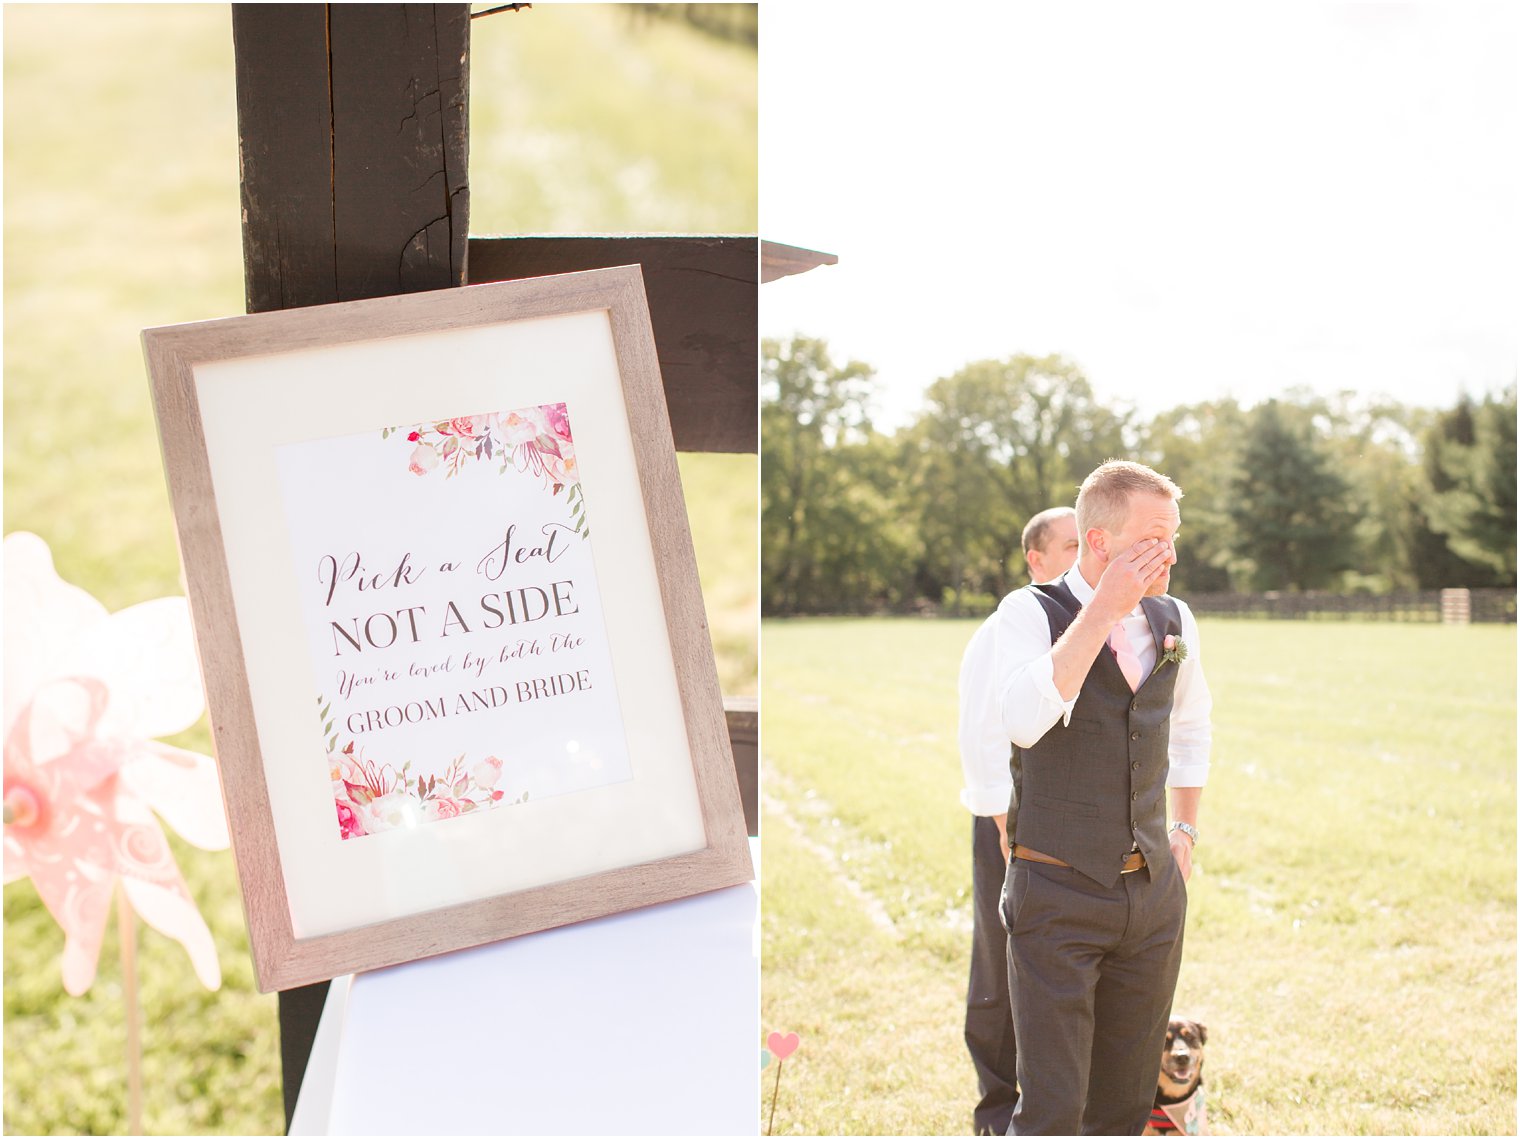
<point x="1129" y="663"/>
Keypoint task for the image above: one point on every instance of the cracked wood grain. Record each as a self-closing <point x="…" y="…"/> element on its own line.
<point x="353" y="123"/>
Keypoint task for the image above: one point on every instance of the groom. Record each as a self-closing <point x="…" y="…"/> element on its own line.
<point x="1101" y="691"/>
<point x="1050" y="549"/>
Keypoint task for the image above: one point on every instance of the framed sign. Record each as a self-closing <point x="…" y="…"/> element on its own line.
<point x="448" y="617"/>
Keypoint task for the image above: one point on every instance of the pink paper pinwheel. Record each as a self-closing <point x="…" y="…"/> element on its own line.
<point x="86" y="693"/>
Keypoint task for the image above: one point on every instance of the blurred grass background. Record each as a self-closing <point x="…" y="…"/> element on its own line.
<point x="121" y="211"/>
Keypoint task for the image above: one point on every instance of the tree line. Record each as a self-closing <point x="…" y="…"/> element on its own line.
<point x="1301" y="492"/>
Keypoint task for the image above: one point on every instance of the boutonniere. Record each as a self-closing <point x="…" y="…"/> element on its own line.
<point x="1173" y="650"/>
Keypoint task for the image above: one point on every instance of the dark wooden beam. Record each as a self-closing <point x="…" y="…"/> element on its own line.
<point x="703" y="306"/>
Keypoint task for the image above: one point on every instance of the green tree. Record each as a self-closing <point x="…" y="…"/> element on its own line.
<point x="1436" y="565"/>
<point x="1289" y="505"/>
<point x="1198" y="447"/>
<point x="1374" y="444"/>
<point x="1470" y="465"/>
<point x="997" y="442"/>
<point x="961" y="516"/>
<point x="861" y="538"/>
<point x="810" y="406"/>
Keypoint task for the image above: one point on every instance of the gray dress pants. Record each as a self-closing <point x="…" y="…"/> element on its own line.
<point x="989" y="1020"/>
<point x="1091" y="971"/>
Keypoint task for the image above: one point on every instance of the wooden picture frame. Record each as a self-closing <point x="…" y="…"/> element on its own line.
<point x="258" y="417"/>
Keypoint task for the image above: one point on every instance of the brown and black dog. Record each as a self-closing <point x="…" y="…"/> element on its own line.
<point x="1179" y="1105"/>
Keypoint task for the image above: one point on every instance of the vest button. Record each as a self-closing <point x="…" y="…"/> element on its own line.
<point x="1134" y="795"/>
<point x="1134" y="735"/>
<point x="1135" y="707"/>
<point x="1134" y="826"/>
<point x="1134" y="767"/>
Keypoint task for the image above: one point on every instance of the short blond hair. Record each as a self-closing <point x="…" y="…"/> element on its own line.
<point x="1037" y="529"/>
<point x="1103" y="500"/>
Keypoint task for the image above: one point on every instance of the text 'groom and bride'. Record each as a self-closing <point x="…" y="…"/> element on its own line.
<point x="483" y="700"/>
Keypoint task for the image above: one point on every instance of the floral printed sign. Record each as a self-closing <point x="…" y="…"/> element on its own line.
<point x="453" y="617"/>
<point x="534" y="441"/>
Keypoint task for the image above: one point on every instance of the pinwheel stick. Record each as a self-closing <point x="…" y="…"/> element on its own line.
<point x="774" y="1092"/>
<point x="126" y="925"/>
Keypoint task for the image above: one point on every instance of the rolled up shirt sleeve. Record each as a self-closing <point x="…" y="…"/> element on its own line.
<point x="1192" y="730"/>
<point x="1026" y="689"/>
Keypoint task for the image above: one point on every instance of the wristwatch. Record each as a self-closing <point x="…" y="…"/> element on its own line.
<point x="1186" y="828"/>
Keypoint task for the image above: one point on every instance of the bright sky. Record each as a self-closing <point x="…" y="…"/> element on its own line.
<point x="1190" y="200"/>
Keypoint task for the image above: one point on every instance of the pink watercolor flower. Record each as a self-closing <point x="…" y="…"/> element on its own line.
<point x="487" y="772"/>
<point x="424" y="459"/>
<point x="554" y="468"/>
<point x="349" y="822"/>
<point x="86" y="781"/>
<point x="517" y="430"/>
<point x="442" y="809"/>
<point x="465" y="426"/>
<point x="343" y="767"/>
<point x="556" y="419"/>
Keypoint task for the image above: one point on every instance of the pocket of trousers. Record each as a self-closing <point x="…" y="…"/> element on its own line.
<point x="1015" y="893"/>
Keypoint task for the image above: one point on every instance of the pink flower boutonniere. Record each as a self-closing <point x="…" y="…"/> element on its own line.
<point x="1174" y="650"/>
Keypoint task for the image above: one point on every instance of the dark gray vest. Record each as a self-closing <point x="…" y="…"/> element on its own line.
<point x="1088" y="792"/>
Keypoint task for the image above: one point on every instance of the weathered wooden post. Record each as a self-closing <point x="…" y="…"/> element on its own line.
<point x="353" y="128"/>
<point x="353" y="137"/>
<point x="1456" y="606"/>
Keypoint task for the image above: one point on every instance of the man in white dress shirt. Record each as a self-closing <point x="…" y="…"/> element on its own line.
<point x="1102" y="693"/>
<point x="1050" y="549"/>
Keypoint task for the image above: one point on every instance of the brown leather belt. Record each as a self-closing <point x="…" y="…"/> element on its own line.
<point x="1131" y="864"/>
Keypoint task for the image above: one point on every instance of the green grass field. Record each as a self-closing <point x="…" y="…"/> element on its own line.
<point x="121" y="211"/>
<point x="1351" y="928"/>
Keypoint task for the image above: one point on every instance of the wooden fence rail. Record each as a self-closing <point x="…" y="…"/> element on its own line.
<point x="1433" y="606"/>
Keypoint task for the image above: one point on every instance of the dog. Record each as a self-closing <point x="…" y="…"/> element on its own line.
<point x="1179" y="1107"/>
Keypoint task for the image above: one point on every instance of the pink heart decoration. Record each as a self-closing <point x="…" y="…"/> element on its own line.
<point x="782" y="1046"/>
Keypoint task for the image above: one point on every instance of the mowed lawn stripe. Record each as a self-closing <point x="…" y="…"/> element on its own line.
<point x="877" y="1052"/>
